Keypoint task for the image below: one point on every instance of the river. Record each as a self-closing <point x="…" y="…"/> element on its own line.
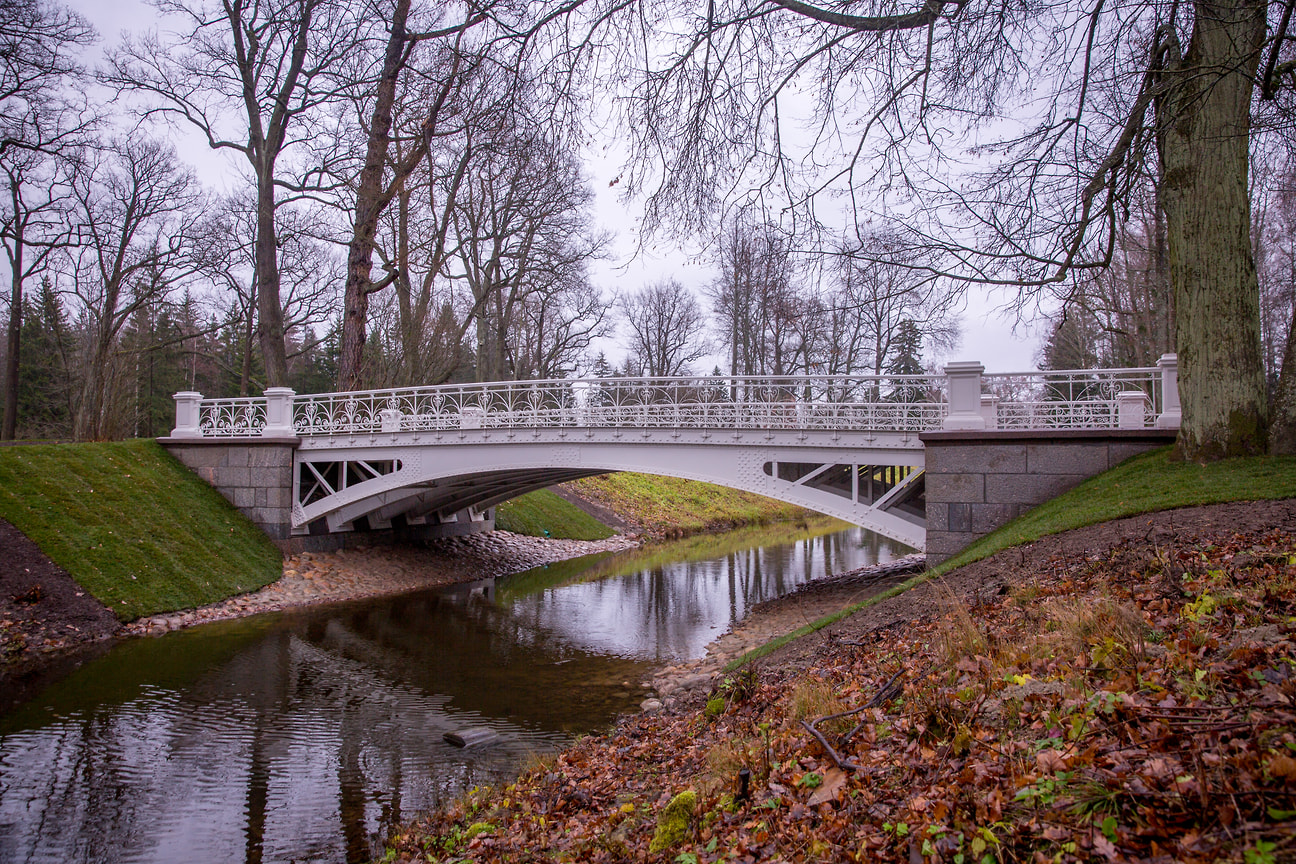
<point x="308" y="735"/>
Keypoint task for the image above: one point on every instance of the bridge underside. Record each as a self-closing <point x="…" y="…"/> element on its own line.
<point x="876" y="483"/>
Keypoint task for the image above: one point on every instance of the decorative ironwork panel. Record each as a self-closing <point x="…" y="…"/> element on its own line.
<point x="1071" y="399"/>
<point x="232" y="418"/>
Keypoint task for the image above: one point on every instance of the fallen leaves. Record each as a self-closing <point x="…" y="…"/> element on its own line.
<point x="1134" y="706"/>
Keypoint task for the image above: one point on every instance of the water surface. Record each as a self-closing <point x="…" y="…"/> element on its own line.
<point x="309" y="735"/>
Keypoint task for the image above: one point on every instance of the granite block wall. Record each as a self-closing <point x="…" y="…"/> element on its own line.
<point x="255" y="476"/>
<point x="977" y="481"/>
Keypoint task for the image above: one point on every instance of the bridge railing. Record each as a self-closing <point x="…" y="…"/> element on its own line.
<point x="963" y="398"/>
<point x="1073" y="399"/>
<point x="910" y="402"/>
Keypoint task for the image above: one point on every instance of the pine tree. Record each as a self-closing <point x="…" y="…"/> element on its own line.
<point x="906" y="359"/>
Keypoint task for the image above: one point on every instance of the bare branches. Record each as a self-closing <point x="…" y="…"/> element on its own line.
<point x="928" y="14"/>
<point x="667" y="327"/>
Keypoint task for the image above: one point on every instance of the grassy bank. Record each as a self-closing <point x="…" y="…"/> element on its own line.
<point x="1144" y="484"/>
<point x="671" y="507"/>
<point x="133" y="526"/>
<point x="544" y="514"/>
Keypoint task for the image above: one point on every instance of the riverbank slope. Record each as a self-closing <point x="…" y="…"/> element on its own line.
<point x="1122" y="691"/>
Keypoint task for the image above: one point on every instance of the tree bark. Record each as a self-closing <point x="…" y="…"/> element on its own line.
<point x="371" y="199"/>
<point x="9" y="428"/>
<point x="1282" y="431"/>
<point x="1203" y="129"/>
<point x="270" y="327"/>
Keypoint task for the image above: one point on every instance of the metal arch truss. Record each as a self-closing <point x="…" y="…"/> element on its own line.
<point x="872" y="479"/>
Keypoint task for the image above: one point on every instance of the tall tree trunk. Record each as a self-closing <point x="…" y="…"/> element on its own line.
<point x="9" y="427"/>
<point x="371" y="199"/>
<point x="270" y="326"/>
<point x="245" y="368"/>
<point x="1203" y="125"/>
<point x="1282" y="434"/>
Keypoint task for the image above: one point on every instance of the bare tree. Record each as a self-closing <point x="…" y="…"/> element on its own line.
<point x="133" y="205"/>
<point x="1275" y="241"/>
<point x="39" y="44"/>
<point x="250" y="76"/>
<point x="555" y="328"/>
<point x="310" y="272"/>
<point x="521" y="227"/>
<point x="40" y="118"/>
<point x="385" y="170"/>
<point x="667" y="328"/>
<point x="876" y="295"/>
<point x="754" y="301"/>
<point x="415" y="241"/>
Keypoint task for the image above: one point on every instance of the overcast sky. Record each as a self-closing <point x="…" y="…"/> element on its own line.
<point x="987" y="336"/>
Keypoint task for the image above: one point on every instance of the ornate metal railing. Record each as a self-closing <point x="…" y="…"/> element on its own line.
<point x="910" y="402"/>
<point x="233" y="418"/>
<point x="1072" y="399"/>
<point x="961" y="399"/>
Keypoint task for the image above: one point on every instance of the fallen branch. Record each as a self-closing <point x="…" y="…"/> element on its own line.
<point x="840" y="761"/>
<point x="888" y="691"/>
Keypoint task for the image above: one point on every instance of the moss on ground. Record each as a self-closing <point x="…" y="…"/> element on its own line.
<point x="133" y="526"/>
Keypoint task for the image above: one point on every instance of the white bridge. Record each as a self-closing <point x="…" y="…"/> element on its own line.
<point x="847" y="446"/>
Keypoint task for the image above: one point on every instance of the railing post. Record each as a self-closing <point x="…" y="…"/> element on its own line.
<point x="1130" y="409"/>
<point x="964" y="383"/>
<point x="1171" y="411"/>
<point x="279" y="413"/>
<point x="990" y="410"/>
<point x="188" y="415"/>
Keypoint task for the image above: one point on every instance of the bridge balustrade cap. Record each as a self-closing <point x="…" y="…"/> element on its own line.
<point x="231" y="440"/>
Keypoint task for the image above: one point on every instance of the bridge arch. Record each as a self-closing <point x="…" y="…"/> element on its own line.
<point x="877" y="487"/>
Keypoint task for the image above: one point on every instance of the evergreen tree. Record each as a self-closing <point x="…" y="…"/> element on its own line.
<point x="906" y="359"/>
<point x="43" y="382"/>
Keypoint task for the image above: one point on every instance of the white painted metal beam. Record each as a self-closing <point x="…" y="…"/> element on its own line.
<point x="501" y="467"/>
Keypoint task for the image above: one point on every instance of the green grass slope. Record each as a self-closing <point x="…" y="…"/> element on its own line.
<point x="674" y="507"/>
<point x="544" y="514"/>
<point x="1144" y="484"/>
<point x="133" y="526"/>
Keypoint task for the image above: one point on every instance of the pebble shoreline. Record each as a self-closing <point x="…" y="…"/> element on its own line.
<point x="683" y="683"/>
<point x="312" y="578"/>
